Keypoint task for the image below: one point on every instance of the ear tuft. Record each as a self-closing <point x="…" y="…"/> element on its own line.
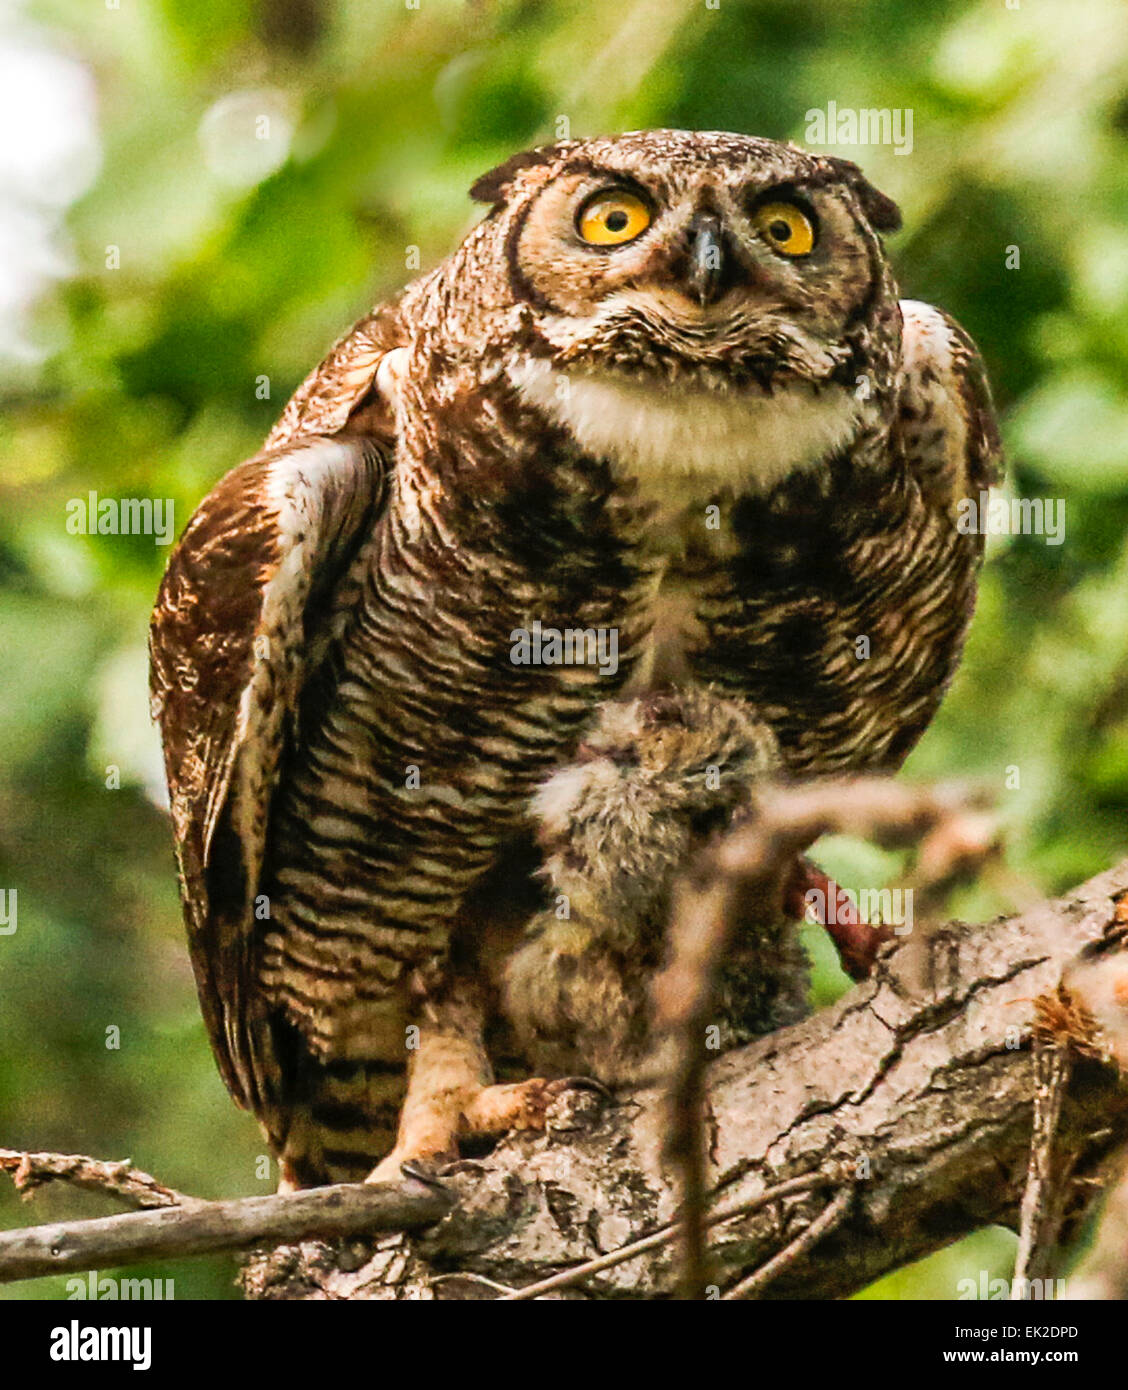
<point x="494" y="186"/>
<point x="883" y="213"/>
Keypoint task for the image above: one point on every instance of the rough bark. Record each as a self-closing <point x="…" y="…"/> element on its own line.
<point x="913" y="1095"/>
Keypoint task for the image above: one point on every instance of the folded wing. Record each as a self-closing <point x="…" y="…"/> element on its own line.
<point x="946" y="422"/>
<point x="263" y="577"/>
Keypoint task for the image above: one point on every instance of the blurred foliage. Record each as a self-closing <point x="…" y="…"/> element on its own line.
<point x="241" y="259"/>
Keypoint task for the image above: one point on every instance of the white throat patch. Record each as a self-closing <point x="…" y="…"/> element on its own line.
<point x="692" y="438"/>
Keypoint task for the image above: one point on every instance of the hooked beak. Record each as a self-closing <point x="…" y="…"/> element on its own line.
<point x="706" y="276"/>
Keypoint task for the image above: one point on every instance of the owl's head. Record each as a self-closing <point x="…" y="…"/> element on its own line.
<point x="692" y="253"/>
<point x="659" y="266"/>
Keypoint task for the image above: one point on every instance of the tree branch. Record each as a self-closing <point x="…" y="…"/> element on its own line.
<point x="32" y="1170"/>
<point x="747" y="873"/>
<point x="197" y="1228"/>
<point x="906" y="1109"/>
<point x="920" y="1082"/>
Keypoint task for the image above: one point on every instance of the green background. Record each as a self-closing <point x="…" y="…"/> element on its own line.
<point x="242" y="259"/>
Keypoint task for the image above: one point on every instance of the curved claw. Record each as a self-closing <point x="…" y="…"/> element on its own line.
<point x="422" y="1172"/>
<point x="579" y="1083"/>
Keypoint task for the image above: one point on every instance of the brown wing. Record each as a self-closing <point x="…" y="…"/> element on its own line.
<point x="343" y="392"/>
<point x="946" y="423"/>
<point x="263" y="575"/>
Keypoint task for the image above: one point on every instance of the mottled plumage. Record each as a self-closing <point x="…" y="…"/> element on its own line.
<point x="655" y="780"/>
<point x="741" y="461"/>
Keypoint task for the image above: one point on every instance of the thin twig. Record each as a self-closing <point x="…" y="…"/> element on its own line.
<point x="701" y="921"/>
<point x="955" y="852"/>
<point x="117" y="1179"/>
<point x="806" y="1182"/>
<point x="826" y="1221"/>
<point x="198" y="1228"/>
<point x="1040" y="1215"/>
<point x="466" y="1275"/>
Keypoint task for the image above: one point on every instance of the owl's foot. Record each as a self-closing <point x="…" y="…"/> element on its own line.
<point x="450" y="1094"/>
<point x="429" y="1135"/>
<point x="522" y="1104"/>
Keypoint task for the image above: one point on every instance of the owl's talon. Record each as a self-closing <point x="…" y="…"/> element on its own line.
<point x="398" y="1167"/>
<point x="580" y="1083"/>
<point x="461" y="1165"/>
<point x="430" y="1174"/>
<point x="576" y="1104"/>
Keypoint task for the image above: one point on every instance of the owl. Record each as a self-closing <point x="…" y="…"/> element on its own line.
<point x="659" y="430"/>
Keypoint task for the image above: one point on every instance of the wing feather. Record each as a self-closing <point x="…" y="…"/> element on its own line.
<point x="946" y="425"/>
<point x="243" y="615"/>
<point x="343" y="391"/>
<point x="261" y="579"/>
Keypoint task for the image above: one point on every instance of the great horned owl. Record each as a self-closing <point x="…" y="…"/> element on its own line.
<point x="658" y="423"/>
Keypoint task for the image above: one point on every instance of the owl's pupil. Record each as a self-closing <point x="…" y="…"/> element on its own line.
<point x="779" y="230"/>
<point x="615" y="221"/>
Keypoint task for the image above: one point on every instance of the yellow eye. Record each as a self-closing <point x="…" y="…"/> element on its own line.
<point x="785" y="228"/>
<point x="613" y="218"/>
